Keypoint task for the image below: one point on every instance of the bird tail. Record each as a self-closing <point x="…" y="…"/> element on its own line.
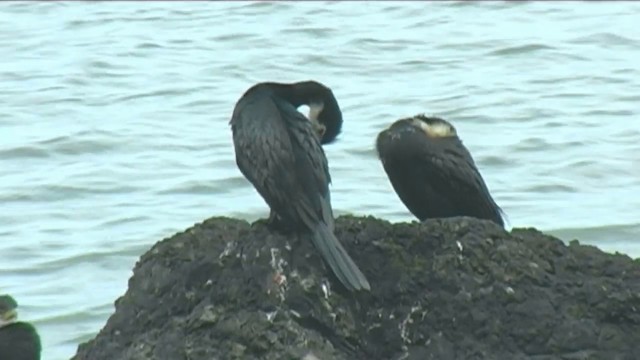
<point x="338" y="259"/>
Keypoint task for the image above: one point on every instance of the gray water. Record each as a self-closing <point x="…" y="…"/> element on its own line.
<point x="114" y="123"/>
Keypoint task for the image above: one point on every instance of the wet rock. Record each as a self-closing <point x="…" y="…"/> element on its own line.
<point x="455" y="288"/>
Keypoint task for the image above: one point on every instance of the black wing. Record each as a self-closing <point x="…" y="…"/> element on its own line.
<point x="278" y="152"/>
<point x="459" y="176"/>
<point x="311" y="162"/>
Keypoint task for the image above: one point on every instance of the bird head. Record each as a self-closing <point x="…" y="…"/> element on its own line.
<point x="8" y="310"/>
<point x="324" y="111"/>
<point x="315" y="108"/>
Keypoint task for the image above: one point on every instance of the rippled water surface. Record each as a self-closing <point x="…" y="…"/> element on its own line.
<point x="114" y="123"/>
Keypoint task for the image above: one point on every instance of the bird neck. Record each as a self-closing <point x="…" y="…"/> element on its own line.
<point x="323" y="106"/>
<point x="290" y="93"/>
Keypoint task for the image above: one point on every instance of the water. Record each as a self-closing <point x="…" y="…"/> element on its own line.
<point x="114" y="123"/>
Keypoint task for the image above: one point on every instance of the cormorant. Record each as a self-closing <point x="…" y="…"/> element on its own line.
<point x="432" y="172"/>
<point x="279" y="151"/>
<point x="18" y="340"/>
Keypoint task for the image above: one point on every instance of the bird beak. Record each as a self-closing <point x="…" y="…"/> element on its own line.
<point x="319" y="128"/>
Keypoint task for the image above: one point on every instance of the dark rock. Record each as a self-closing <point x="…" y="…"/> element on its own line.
<point x="456" y="288"/>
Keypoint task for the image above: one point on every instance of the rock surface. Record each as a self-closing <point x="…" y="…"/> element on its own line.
<point x="455" y="288"/>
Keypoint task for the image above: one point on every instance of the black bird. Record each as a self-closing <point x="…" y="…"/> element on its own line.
<point x="18" y="340"/>
<point x="279" y="151"/>
<point x="432" y="172"/>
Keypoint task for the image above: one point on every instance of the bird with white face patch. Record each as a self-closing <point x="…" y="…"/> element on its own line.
<point x="18" y="340"/>
<point x="314" y="112"/>
<point x="279" y="151"/>
<point x="432" y="172"/>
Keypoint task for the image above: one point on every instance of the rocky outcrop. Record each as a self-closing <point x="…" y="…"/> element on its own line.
<point x="455" y="288"/>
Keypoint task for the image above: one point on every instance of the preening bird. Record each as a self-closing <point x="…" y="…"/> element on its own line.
<point x="279" y="151"/>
